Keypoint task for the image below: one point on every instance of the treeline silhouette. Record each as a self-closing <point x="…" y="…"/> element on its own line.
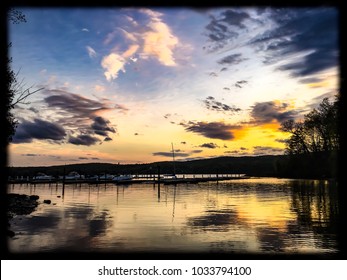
<point x="311" y="166"/>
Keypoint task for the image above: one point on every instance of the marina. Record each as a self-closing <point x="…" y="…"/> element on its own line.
<point x="147" y="178"/>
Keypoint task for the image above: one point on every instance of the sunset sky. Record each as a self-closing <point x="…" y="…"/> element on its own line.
<point x="122" y="84"/>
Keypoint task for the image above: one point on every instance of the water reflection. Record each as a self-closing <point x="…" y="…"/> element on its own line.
<point x="244" y="216"/>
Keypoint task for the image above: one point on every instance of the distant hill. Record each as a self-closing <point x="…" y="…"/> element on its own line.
<point x="320" y="165"/>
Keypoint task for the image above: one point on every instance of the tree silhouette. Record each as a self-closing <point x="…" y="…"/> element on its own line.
<point x="17" y="92"/>
<point x="317" y="133"/>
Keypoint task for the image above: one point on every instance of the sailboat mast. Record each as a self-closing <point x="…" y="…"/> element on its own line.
<point x="173" y="158"/>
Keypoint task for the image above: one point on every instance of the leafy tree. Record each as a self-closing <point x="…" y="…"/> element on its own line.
<point x="317" y="133"/>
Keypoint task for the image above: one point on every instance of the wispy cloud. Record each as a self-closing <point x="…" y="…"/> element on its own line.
<point x="212" y="104"/>
<point x="225" y="27"/>
<point x="304" y="40"/>
<point x="154" y="39"/>
<point x="159" y="42"/>
<point x="232" y="59"/>
<point x="91" y="51"/>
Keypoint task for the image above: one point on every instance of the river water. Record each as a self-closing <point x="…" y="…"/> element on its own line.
<point x="257" y="215"/>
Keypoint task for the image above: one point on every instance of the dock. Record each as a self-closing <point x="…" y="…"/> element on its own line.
<point x="141" y="179"/>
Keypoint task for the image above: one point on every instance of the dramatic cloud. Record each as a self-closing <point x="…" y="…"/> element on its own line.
<point x="91" y="51"/>
<point x="153" y="40"/>
<point x="85" y="140"/>
<point x="215" y="130"/>
<point x="209" y="145"/>
<point x="212" y="104"/>
<point x="232" y="59"/>
<point x="101" y="126"/>
<point x="266" y="112"/>
<point x="107" y="139"/>
<point x="159" y="42"/>
<point x="304" y="40"/>
<point x="77" y="105"/>
<point x="38" y="129"/>
<point x="79" y="115"/>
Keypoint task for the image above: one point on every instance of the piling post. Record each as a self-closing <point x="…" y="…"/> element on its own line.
<point x="158" y="182"/>
<point x="63" y="182"/>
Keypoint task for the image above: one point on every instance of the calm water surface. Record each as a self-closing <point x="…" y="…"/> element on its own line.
<point x="260" y="215"/>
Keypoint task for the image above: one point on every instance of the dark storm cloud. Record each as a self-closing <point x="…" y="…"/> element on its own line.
<point x="107" y="139"/>
<point x="101" y="126"/>
<point x="266" y="112"/>
<point x="215" y="130"/>
<point x="168" y="154"/>
<point x="212" y="104"/>
<point x="311" y="32"/>
<point x="38" y="129"/>
<point x="84" y="140"/>
<point x="232" y="59"/>
<point x="209" y="145"/>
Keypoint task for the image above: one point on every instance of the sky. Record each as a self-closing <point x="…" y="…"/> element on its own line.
<point x="124" y="85"/>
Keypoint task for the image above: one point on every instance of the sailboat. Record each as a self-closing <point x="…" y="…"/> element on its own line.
<point x="171" y="177"/>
